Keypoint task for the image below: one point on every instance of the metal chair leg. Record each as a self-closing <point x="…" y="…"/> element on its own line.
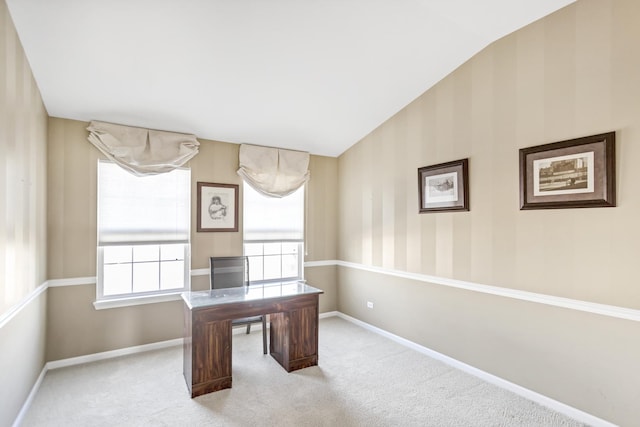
<point x="264" y="334"/>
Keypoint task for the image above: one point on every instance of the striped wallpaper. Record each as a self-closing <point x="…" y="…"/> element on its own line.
<point x="23" y="134"/>
<point x="572" y="74"/>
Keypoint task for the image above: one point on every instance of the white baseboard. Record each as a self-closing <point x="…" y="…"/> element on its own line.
<point x="111" y="354"/>
<point x="329" y="314"/>
<point x="63" y="363"/>
<point x="560" y="407"/>
<point x="32" y="394"/>
<point x="72" y="361"/>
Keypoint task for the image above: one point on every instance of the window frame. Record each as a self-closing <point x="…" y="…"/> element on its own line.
<point x="100" y="296"/>
<point x="300" y="242"/>
<point x="300" y="263"/>
<point x="149" y="296"/>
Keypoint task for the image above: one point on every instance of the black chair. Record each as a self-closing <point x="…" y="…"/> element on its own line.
<point x="233" y="272"/>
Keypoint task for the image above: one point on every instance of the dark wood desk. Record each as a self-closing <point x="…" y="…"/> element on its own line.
<point x="293" y="310"/>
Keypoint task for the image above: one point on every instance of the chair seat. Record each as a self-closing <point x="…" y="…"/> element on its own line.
<point x="246" y="320"/>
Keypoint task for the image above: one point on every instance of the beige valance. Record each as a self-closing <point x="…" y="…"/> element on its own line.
<point x="143" y="151"/>
<point x="273" y="172"/>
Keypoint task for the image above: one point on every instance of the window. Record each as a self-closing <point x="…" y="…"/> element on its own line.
<point x="273" y="235"/>
<point x="143" y="232"/>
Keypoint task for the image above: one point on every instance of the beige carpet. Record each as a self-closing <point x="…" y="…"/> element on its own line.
<point x="362" y="379"/>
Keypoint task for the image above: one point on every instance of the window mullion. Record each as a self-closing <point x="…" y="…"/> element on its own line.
<point x="132" y="274"/>
<point x="159" y="267"/>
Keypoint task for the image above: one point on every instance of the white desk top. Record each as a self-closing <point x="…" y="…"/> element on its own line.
<point x="208" y="298"/>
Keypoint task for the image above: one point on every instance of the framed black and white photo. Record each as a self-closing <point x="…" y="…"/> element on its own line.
<point x="217" y="207"/>
<point x="444" y="187"/>
<point x="577" y="173"/>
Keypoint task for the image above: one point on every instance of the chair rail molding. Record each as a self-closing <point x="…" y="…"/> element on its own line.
<point x="573" y="304"/>
<point x="569" y="303"/>
<point x="13" y="311"/>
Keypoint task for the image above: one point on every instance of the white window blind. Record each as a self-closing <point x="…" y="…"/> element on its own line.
<point x="142" y="210"/>
<point x="269" y="218"/>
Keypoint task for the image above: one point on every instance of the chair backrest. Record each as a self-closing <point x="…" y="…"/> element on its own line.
<point x="228" y="272"/>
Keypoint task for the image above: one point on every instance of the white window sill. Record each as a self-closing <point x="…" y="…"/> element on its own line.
<point x="136" y="300"/>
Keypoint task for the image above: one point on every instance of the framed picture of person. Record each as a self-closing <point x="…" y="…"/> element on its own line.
<point x="217" y="207"/>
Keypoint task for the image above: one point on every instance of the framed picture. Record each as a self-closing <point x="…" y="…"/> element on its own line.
<point x="217" y="207"/>
<point x="577" y="173"/>
<point x="444" y="187"/>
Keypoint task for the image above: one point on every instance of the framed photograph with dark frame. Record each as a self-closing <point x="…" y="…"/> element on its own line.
<point x="217" y="207"/>
<point x="444" y="187"/>
<point x="577" y="173"/>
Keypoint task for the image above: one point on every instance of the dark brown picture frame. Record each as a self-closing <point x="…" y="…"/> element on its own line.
<point x="444" y="187"/>
<point x="576" y="173"/>
<point x="217" y="207"/>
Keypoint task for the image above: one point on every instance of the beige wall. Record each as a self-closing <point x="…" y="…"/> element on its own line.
<point x="569" y="75"/>
<point x="74" y="327"/>
<point x="572" y="74"/>
<point x="22" y="356"/>
<point x="556" y="79"/>
<point x="23" y="127"/>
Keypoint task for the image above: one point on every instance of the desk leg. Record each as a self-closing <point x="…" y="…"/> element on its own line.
<point x="294" y="337"/>
<point x="210" y="356"/>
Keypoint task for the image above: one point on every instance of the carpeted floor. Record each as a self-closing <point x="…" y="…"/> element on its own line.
<point x="362" y="379"/>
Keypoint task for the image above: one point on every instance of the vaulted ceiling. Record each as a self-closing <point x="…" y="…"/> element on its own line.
<point x="308" y="75"/>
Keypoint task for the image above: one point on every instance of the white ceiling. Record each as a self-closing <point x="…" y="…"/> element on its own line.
<point x="309" y="75"/>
